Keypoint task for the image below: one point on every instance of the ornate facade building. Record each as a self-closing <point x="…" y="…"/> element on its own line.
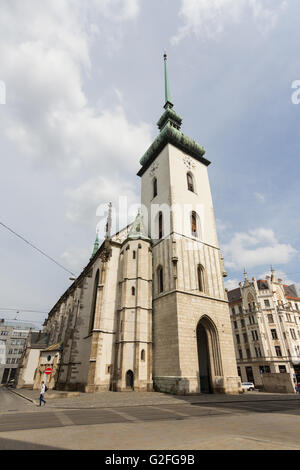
<point x="265" y="318"/>
<point x="149" y="311"/>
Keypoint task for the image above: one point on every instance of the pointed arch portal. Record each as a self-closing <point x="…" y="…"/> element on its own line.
<point x="209" y="358"/>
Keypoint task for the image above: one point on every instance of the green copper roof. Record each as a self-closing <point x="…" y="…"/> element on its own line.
<point x="169" y="125"/>
<point x="137" y="230"/>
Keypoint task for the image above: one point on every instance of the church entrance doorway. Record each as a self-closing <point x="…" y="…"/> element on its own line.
<point x="129" y="379"/>
<point x="203" y="359"/>
<point x="209" y="359"/>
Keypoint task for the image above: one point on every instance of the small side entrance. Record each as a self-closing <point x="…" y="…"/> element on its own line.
<point x="129" y="380"/>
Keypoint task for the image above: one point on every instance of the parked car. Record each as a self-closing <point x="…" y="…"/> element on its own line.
<point x="11" y="383"/>
<point x="248" y="386"/>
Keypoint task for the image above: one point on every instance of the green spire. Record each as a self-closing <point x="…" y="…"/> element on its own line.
<point x="96" y="246"/>
<point x="167" y="85"/>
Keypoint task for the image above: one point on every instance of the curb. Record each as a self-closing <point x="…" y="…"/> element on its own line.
<point x="23" y="396"/>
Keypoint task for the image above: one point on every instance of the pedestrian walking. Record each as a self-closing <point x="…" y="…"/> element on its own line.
<point x="43" y="390"/>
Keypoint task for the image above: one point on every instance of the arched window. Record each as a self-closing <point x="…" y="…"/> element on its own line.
<point x="160" y="278"/>
<point x="154" y="187"/>
<point x="143" y="355"/>
<point x="133" y="254"/>
<point x="133" y="290"/>
<point x="190" y="182"/>
<point x="94" y="302"/>
<point x="160" y="225"/>
<point x="194" y="228"/>
<point x="200" y="273"/>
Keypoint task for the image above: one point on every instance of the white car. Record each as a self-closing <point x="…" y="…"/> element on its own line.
<point x="248" y="386"/>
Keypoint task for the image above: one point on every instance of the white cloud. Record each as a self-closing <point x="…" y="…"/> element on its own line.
<point x="256" y="248"/>
<point x="231" y="284"/>
<point x="84" y="201"/>
<point x="209" y="18"/>
<point x="44" y="57"/>
<point x="118" y="10"/>
<point x="260" y="197"/>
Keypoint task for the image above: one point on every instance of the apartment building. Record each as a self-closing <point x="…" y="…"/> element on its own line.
<point x="265" y="318"/>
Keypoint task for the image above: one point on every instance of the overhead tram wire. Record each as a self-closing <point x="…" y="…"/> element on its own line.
<point x="36" y="248"/>
<point x="23" y="310"/>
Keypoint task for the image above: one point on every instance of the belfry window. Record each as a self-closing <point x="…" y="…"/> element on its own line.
<point x="160" y="278"/>
<point x="190" y="182"/>
<point x="154" y="187"/>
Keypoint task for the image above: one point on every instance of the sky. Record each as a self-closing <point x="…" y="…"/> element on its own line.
<point x="84" y="90"/>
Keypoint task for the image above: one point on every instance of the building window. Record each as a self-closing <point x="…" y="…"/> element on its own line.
<point x="258" y="352"/>
<point x="143" y="355"/>
<point x="240" y="309"/>
<point x="133" y="290"/>
<point x="270" y="318"/>
<point x="243" y="323"/>
<point x="190" y="182"/>
<point x="194" y="224"/>
<point x="160" y="277"/>
<point x="134" y="254"/>
<point x="160" y="225"/>
<point x="267" y="303"/>
<point x="274" y="334"/>
<point x="154" y="187"/>
<point x="293" y="334"/>
<point x="282" y="369"/>
<point x="254" y="335"/>
<point x="233" y="311"/>
<point x="200" y="272"/>
<point x="245" y="337"/>
<point x="278" y="351"/>
<point x="248" y="353"/>
<point x="235" y="325"/>
<point x="238" y="340"/>
<point x="241" y="354"/>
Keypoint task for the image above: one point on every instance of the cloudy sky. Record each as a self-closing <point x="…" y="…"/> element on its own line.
<point x="84" y="89"/>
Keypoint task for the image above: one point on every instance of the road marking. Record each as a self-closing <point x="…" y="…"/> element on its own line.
<point x="125" y="415"/>
<point x="172" y="411"/>
<point x="64" y="419"/>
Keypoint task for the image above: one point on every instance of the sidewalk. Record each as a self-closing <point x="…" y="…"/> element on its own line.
<point x="78" y="400"/>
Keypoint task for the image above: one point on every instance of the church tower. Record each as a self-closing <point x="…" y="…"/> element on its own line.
<point x="193" y="347"/>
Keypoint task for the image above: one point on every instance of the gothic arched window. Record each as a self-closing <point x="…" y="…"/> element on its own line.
<point x="190" y="182"/>
<point x="154" y="187"/>
<point x="200" y="273"/>
<point x="160" y="278"/>
<point x="194" y="228"/>
<point x="94" y="302"/>
<point x="160" y="225"/>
